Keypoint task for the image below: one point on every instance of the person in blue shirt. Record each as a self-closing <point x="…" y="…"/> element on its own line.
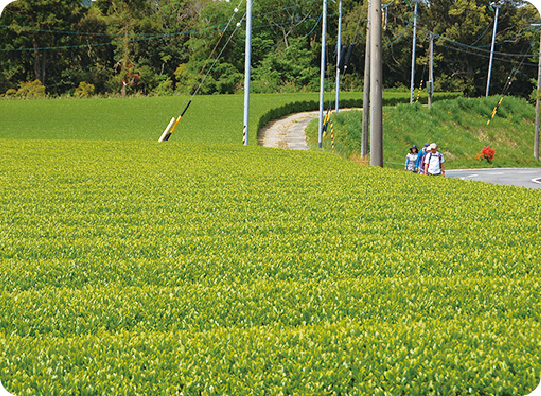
<point x="420" y="159"/>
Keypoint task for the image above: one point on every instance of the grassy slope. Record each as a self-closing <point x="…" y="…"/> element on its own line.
<point x="458" y="126"/>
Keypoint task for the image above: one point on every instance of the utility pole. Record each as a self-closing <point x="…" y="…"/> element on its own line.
<point x="492" y="45"/>
<point x="413" y="50"/>
<point x="536" y="139"/>
<point x="338" y="59"/>
<point x="376" y="84"/>
<point x="247" y="69"/>
<point x="322" y="88"/>
<point x="431" y="71"/>
<point x="366" y="94"/>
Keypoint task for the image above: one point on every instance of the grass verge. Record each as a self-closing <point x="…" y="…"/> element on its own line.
<point x="459" y="126"/>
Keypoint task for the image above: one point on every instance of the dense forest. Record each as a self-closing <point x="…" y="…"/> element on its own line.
<point x="159" y="47"/>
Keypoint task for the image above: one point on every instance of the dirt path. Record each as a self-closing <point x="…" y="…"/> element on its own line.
<point x="287" y="132"/>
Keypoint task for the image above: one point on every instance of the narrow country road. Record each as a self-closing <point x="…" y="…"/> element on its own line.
<point x="288" y="133"/>
<point x="522" y="177"/>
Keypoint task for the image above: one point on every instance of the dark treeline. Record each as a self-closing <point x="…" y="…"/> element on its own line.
<point x="113" y="47"/>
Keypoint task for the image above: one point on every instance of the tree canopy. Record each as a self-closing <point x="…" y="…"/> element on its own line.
<point x="167" y="46"/>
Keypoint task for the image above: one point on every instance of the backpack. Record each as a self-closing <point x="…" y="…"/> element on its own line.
<point x="425" y="160"/>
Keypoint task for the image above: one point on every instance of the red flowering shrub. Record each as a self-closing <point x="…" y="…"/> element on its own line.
<point x="487" y="153"/>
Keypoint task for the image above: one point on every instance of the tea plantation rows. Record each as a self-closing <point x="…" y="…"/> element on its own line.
<point x="134" y="268"/>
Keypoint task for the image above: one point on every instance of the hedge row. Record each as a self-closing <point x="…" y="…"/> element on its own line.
<point x="313" y="105"/>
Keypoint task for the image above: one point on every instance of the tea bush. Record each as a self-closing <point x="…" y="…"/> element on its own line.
<point x="132" y="267"/>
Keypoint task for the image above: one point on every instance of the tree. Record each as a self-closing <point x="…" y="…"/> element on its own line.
<point x="35" y="25"/>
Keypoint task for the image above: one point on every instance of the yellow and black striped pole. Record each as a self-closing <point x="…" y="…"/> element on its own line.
<point x="332" y="136"/>
<point x="419" y="92"/>
<point x="244" y="135"/>
<point x="495" y="110"/>
<point x="326" y="123"/>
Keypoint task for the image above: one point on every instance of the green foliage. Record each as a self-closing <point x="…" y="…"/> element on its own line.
<point x="459" y="126"/>
<point x="165" y="87"/>
<point x="10" y="93"/>
<point x="290" y="70"/>
<point x="186" y="80"/>
<point x="132" y="267"/>
<point x="152" y="39"/>
<point x="31" y="90"/>
<point x="85" y="90"/>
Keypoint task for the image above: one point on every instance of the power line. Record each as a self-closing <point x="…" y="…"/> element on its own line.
<point x="218" y="57"/>
<point x="142" y="34"/>
<point x="487" y="50"/>
<point x="154" y="36"/>
<point x="102" y="34"/>
<point x="400" y="36"/>
<point x="466" y="51"/>
<point x="483" y="34"/>
<point x="471" y="46"/>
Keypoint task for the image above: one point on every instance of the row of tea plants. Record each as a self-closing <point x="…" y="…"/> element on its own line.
<point x="138" y="268"/>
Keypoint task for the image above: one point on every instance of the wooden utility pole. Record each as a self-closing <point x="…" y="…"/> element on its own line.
<point x="376" y="85"/>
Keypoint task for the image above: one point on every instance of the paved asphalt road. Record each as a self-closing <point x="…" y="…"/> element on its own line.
<point x="522" y="177"/>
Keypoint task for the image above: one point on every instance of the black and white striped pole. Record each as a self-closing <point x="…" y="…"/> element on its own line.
<point x="322" y="88"/>
<point x="247" y="70"/>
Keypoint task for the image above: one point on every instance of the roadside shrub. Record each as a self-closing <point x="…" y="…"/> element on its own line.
<point x="10" y="93"/>
<point x="31" y="90"/>
<point x="312" y="105"/>
<point x="487" y="153"/>
<point x="85" y="90"/>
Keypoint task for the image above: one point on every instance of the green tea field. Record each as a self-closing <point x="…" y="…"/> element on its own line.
<point x="131" y="267"/>
<point x="209" y="119"/>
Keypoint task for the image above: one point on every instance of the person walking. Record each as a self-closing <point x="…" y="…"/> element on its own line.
<point x="434" y="162"/>
<point x="411" y="160"/>
<point x="420" y="159"/>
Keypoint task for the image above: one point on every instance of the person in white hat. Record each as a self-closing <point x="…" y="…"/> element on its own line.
<point x="434" y="162"/>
